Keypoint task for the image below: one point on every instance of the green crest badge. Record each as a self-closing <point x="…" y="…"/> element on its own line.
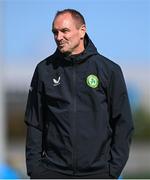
<point x="92" y="81"/>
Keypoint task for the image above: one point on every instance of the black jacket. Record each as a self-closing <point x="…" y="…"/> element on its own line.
<point x="76" y="124"/>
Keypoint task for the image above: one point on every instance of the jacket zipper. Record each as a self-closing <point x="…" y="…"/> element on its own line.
<point x="74" y="119"/>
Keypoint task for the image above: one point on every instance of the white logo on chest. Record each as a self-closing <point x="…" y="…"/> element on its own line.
<point x="56" y="82"/>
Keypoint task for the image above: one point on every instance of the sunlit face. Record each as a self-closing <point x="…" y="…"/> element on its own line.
<point x="68" y="37"/>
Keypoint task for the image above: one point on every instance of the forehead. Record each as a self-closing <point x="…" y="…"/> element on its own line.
<point x="64" y="21"/>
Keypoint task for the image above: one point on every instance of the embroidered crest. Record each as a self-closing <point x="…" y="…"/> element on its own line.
<point x="92" y="81"/>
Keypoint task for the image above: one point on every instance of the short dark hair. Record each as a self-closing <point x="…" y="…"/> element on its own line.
<point x="76" y="15"/>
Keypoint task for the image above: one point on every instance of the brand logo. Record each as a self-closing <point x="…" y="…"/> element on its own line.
<point x="92" y="81"/>
<point x="56" y="81"/>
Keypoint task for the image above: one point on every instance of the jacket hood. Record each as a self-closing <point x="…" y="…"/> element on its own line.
<point x="90" y="50"/>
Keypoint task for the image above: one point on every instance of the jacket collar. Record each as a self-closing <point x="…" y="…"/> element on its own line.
<point x="90" y="50"/>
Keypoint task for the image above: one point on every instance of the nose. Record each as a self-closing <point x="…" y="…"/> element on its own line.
<point x="59" y="36"/>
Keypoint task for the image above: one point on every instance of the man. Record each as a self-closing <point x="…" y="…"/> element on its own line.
<point x="78" y="115"/>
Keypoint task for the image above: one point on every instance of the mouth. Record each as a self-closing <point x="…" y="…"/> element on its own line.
<point x="61" y="44"/>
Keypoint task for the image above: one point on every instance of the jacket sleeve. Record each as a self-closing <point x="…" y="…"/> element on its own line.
<point x="121" y="122"/>
<point x="34" y="122"/>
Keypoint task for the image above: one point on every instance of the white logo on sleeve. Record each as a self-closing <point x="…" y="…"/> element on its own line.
<point x="56" y="82"/>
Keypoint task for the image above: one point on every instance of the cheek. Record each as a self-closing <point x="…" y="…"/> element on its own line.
<point x="75" y="38"/>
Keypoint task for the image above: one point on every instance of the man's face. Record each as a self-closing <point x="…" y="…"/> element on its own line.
<point x="68" y="37"/>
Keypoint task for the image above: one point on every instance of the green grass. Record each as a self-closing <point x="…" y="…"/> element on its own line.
<point x="143" y="175"/>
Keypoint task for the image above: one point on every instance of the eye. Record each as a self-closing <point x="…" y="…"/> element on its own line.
<point x="55" y="32"/>
<point x="65" y="30"/>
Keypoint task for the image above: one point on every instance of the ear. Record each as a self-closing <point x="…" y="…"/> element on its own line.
<point x="82" y="31"/>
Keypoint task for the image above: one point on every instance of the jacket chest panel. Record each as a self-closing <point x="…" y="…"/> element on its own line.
<point x="91" y="93"/>
<point x="56" y="82"/>
<point x="75" y="83"/>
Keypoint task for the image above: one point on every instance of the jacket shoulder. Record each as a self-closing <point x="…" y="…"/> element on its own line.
<point x="46" y="62"/>
<point x="108" y="64"/>
<point x="44" y="66"/>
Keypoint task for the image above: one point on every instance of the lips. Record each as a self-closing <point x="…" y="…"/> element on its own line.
<point x="61" y="43"/>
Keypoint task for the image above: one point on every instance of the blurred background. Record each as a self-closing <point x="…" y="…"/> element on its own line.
<point x="120" y="29"/>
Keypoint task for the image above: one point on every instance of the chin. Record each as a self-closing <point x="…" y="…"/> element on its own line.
<point x="64" y="51"/>
<point x="61" y="50"/>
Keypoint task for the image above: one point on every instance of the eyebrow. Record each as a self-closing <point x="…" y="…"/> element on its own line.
<point x="63" y="29"/>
